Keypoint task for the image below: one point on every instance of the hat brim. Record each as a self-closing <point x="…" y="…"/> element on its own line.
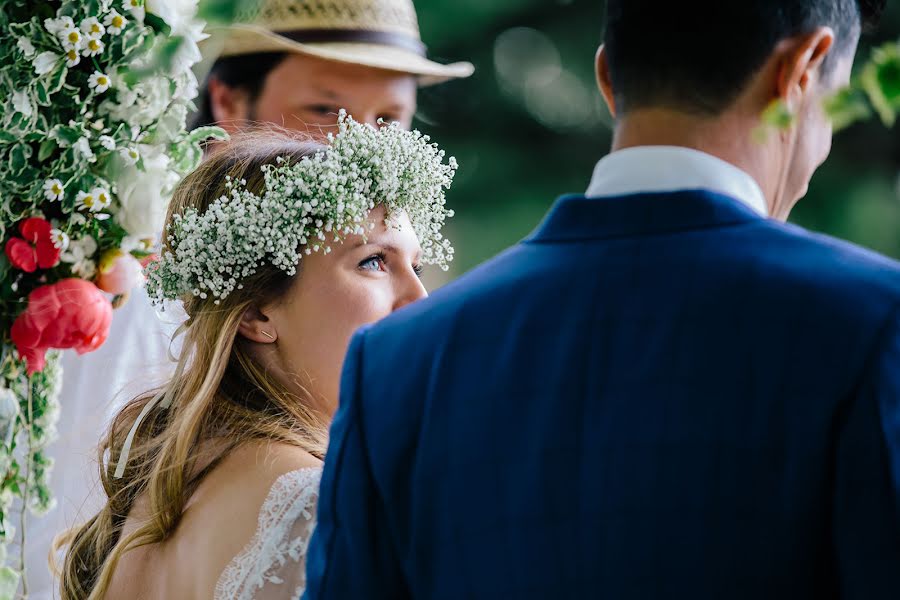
<point x="248" y="39"/>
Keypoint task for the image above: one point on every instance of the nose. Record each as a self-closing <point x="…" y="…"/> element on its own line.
<point x="410" y="290"/>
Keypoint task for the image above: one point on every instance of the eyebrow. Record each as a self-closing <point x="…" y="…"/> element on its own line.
<point x="389" y="248"/>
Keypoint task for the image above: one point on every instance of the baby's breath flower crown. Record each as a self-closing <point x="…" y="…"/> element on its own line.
<point x="304" y="207"/>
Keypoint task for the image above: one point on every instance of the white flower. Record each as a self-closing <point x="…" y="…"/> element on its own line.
<point x="83" y="147"/>
<point x="136" y="8"/>
<point x="44" y="62"/>
<point x="60" y="239"/>
<point x="94" y="46"/>
<point x="72" y="57"/>
<point x="92" y="27"/>
<point x="99" y="82"/>
<point x="56" y="26"/>
<point x="71" y="38"/>
<point x="54" y="190"/>
<point x="22" y="103"/>
<point x="84" y="268"/>
<point x="25" y="45"/>
<point x="86" y="200"/>
<point x="80" y="249"/>
<point x="131" y="155"/>
<point x="143" y="196"/>
<point x="178" y="14"/>
<point x="103" y="199"/>
<point x="330" y="193"/>
<point x="143" y="104"/>
<point x="107" y="142"/>
<point x="115" y="22"/>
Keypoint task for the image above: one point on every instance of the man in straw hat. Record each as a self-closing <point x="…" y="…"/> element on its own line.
<point x="295" y="63"/>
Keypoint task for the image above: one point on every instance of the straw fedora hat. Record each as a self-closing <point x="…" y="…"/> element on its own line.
<point x="383" y="34"/>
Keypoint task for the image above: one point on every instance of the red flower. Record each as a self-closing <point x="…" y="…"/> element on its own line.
<point x="36" y="249"/>
<point x="71" y="313"/>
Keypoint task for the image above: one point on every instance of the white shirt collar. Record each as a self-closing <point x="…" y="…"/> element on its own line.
<point x="671" y="168"/>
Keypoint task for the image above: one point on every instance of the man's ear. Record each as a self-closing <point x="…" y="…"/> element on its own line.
<point x="604" y="81"/>
<point x="230" y="107"/>
<point x="257" y="327"/>
<point x="800" y="63"/>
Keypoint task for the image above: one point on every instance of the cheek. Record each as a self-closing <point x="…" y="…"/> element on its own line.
<point x="318" y="325"/>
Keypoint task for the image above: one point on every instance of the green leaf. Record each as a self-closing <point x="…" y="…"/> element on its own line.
<point x="847" y="107"/>
<point x="9" y="583"/>
<point x="47" y="149"/>
<point x="57" y="78"/>
<point x="18" y="158"/>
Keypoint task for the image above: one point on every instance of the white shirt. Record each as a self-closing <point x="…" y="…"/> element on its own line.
<point x="672" y="168"/>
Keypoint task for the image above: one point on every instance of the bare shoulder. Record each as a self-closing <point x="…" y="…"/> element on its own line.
<point x="223" y="513"/>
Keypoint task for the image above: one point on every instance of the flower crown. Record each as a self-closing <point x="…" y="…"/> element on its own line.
<point x="304" y="207"/>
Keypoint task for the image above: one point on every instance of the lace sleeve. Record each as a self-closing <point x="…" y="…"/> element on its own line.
<point x="273" y="565"/>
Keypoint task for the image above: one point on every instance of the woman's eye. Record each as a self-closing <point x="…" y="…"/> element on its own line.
<point x="419" y="269"/>
<point x="373" y="263"/>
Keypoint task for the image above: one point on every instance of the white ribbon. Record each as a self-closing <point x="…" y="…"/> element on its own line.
<point x="163" y="395"/>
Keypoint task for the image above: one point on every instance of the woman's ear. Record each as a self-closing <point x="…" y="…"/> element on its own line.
<point x="604" y="81"/>
<point x="257" y="327"/>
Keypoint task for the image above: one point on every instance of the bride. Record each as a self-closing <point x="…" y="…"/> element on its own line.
<point x="212" y="481"/>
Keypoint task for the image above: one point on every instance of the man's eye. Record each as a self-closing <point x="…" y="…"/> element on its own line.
<point x="322" y="109"/>
<point x="373" y="263"/>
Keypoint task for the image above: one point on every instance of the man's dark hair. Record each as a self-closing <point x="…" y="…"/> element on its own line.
<point x="245" y="72"/>
<point x="697" y="55"/>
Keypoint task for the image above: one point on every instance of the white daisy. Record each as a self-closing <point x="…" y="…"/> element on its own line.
<point x="60" y="239"/>
<point x="71" y="38"/>
<point x="99" y="82"/>
<point x="103" y="199"/>
<point x="54" y="190"/>
<point x="94" y="46"/>
<point x="87" y="201"/>
<point x="72" y="57"/>
<point x="115" y="22"/>
<point x="131" y="155"/>
<point x="136" y="7"/>
<point x="92" y="27"/>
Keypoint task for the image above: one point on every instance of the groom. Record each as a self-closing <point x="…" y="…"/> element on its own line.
<point x="665" y="391"/>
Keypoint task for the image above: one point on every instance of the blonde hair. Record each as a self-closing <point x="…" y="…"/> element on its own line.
<point x="220" y="394"/>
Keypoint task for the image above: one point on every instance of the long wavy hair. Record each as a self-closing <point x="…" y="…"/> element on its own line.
<point x="222" y="397"/>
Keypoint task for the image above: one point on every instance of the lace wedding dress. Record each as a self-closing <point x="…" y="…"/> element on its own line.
<point x="273" y="565"/>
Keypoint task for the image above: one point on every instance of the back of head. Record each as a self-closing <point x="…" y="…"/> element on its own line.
<point x="696" y="56"/>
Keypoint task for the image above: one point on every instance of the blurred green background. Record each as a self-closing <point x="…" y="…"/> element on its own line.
<point x="530" y="125"/>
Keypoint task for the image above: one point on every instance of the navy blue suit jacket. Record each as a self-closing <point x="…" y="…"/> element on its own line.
<point x="654" y="396"/>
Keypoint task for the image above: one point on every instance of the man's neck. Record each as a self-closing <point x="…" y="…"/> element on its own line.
<point x="728" y="137"/>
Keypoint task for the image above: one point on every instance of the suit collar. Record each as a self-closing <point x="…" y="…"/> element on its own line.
<point x="577" y="217"/>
